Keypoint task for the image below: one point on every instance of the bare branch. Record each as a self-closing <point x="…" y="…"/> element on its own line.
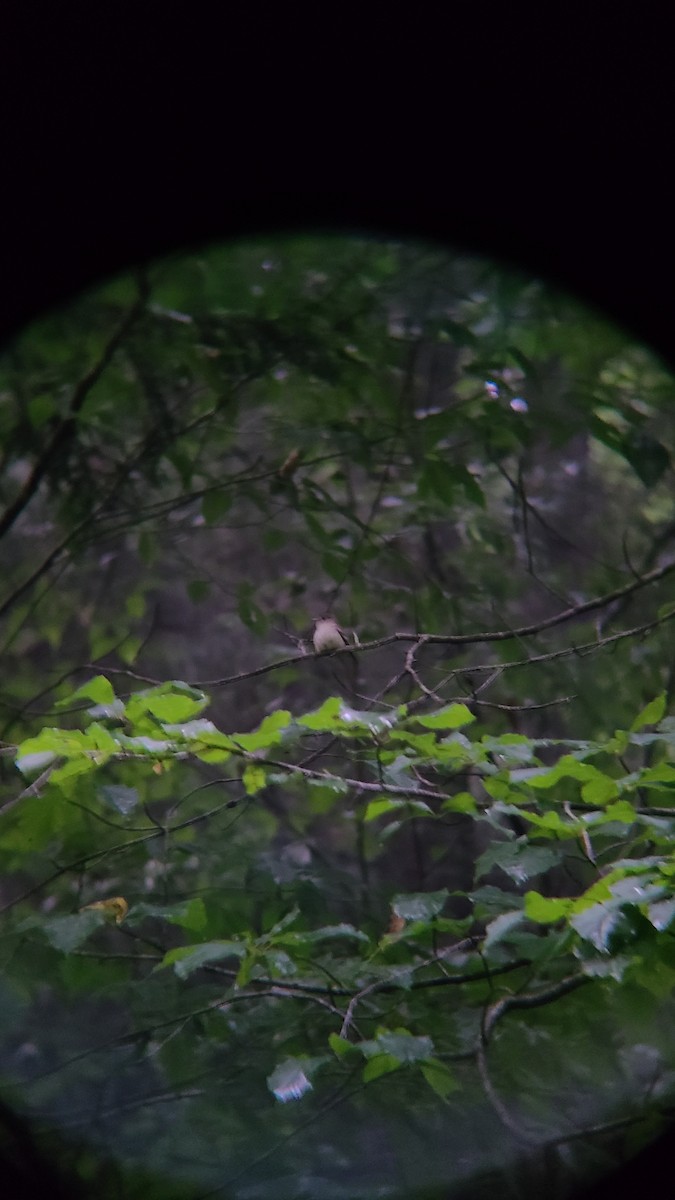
<point x="547" y="995"/>
<point x="468" y="639"/>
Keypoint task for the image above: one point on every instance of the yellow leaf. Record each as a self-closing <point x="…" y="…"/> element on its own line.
<point x="116" y="907"/>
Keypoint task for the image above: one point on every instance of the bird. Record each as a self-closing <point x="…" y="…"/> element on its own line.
<point x="328" y="636"/>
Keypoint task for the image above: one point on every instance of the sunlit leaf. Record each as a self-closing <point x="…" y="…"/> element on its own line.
<point x="269" y="732"/>
<point x="254" y="779"/>
<point x="324" y="718"/>
<point x="99" y="689"/>
<point x="651" y="714"/>
<point x="545" y="910"/>
<point x="454" y="716"/>
<point x="461" y="802"/>
<point x="115" y="908"/>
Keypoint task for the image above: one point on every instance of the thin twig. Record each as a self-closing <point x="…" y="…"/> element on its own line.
<point x="439" y="639"/>
<point x="66" y="428"/>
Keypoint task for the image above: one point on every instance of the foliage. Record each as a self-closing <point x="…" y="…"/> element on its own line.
<point x="320" y="915"/>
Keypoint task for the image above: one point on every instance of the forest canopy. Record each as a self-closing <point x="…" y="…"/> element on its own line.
<point x="391" y="920"/>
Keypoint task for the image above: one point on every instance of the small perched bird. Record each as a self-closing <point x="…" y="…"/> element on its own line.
<point x="328" y="636"/>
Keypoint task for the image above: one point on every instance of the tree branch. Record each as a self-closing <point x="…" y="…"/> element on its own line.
<point x="547" y="995"/>
<point x="66" y="428"/>
<point x="464" y="639"/>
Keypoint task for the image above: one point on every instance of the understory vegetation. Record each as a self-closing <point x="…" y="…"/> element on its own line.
<point x="393" y="921"/>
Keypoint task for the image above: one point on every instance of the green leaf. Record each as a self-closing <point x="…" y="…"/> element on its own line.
<point x="636" y="890"/>
<point x="254" y="779"/>
<point x="153" y="747"/>
<point x="519" y="860"/>
<point x="381" y="1064"/>
<point x="546" y="777"/>
<point x="170" y="701"/>
<point x="622" y="811"/>
<point x="67" y="933"/>
<point x="439" y="1077"/>
<point x="599" y="790"/>
<point x="279" y="963"/>
<point x="662" y="913"/>
<point x="461" y="802"/>
<point x="326" y="933"/>
<point x="490" y="901"/>
<point x="606" y="968"/>
<point x="129" y="649"/>
<point x="189" y="914"/>
<point x="511" y="748"/>
<point x="269" y="733"/>
<point x="651" y="714"/>
<point x="453" y="716"/>
<point x="98" y="689"/>
<point x="400" y="1044"/>
<point x="323" y="796"/>
<point x="251" y="959"/>
<point x="65" y="776"/>
<point x="39" y="760"/>
<point x="546" y="910"/>
<point x="375" y="723"/>
<point x="419" y="906"/>
<point x="661" y="778"/>
<point x="288" y="918"/>
<point x="425" y="930"/>
<point x="598" y="924"/>
<point x="324" y="719"/>
<point x="107" y="712"/>
<point x="186" y="959"/>
<point x="551" y="823"/>
<point x="499" y="929"/>
<point x="376" y="808"/>
<point x="172" y="709"/>
<point x="340" y="1046"/>
<point x="93" y="746"/>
